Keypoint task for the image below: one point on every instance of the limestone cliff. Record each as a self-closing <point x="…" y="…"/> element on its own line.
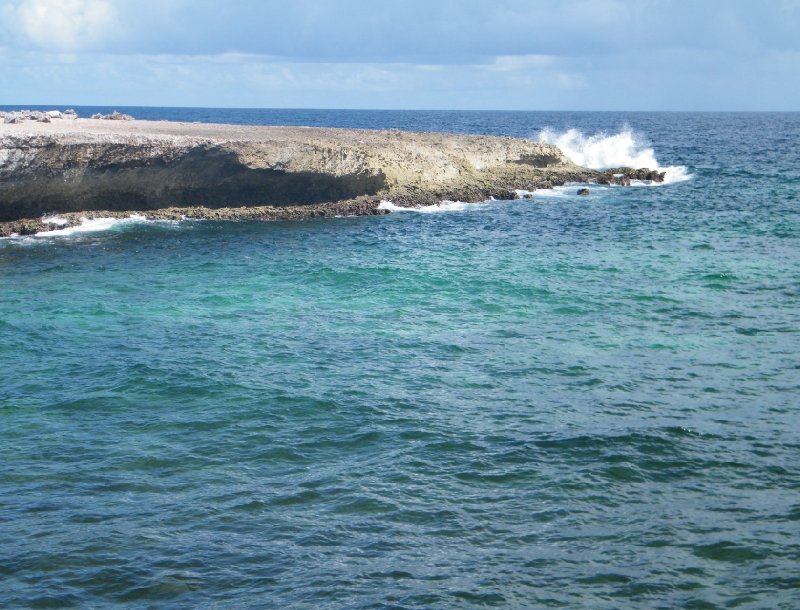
<point x="85" y="164"/>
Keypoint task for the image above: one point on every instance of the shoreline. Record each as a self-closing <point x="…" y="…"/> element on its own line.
<point x="76" y="168"/>
<point x="355" y="207"/>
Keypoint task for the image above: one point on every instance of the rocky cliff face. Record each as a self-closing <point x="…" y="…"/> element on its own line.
<point x="84" y="165"/>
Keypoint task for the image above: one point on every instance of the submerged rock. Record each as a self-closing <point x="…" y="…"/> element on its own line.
<point x="583" y="191"/>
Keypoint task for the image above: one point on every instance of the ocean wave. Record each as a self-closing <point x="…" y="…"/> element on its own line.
<point x="88" y="225"/>
<point x="603" y="151"/>
<point x="444" y="206"/>
<point x="564" y="190"/>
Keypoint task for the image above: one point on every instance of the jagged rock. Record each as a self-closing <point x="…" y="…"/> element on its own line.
<point x="20" y="116"/>
<point x="624" y="175"/>
<point x="583" y="191"/>
<point x="648" y="174"/>
<point x="114" y="116"/>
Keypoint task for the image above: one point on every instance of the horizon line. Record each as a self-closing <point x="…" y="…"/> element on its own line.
<point x="55" y="106"/>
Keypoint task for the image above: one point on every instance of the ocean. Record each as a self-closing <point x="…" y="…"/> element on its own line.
<point x="562" y="402"/>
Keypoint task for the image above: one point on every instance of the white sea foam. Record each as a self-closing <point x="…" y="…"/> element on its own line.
<point x="88" y="225"/>
<point x="444" y="206"/>
<point x="55" y="220"/>
<point x="601" y="151"/>
<point x="564" y="190"/>
<point x="676" y="173"/>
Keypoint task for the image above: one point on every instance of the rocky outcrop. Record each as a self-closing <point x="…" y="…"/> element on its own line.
<point x="623" y="176"/>
<point x="114" y="116"/>
<point x="84" y="165"/>
<point x="123" y="166"/>
<point x="15" y="117"/>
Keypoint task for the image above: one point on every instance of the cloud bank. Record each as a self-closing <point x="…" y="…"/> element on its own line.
<point x="547" y="54"/>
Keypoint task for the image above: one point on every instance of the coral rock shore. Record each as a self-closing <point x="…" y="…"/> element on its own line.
<point x="95" y="167"/>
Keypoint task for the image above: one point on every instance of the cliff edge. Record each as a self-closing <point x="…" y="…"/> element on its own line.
<point x="170" y="169"/>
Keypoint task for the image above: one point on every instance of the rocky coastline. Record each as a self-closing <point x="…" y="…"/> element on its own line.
<point x="54" y="163"/>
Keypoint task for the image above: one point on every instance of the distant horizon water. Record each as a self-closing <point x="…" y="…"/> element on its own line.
<point x="110" y="107"/>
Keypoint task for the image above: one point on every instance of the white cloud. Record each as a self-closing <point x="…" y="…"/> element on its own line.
<point x="63" y="25"/>
<point x="515" y="63"/>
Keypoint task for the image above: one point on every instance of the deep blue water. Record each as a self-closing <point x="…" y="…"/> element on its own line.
<point x="569" y="402"/>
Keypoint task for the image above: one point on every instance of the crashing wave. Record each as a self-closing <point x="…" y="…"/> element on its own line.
<point x="603" y="151"/>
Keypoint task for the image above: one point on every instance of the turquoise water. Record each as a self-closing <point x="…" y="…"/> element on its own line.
<point x="565" y="402"/>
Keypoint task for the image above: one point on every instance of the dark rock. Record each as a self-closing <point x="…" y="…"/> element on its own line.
<point x="623" y="175"/>
<point x="583" y="191"/>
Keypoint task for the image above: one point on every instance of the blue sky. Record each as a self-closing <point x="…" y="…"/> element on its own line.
<point x="467" y="54"/>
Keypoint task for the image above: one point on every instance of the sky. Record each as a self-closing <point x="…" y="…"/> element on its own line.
<point x="415" y="54"/>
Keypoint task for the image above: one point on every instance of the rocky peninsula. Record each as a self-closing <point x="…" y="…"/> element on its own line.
<point x="56" y="163"/>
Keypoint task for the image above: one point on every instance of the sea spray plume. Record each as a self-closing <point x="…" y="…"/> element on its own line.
<point x="602" y="151"/>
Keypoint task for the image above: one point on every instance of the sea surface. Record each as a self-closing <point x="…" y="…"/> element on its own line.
<point x="563" y="402"/>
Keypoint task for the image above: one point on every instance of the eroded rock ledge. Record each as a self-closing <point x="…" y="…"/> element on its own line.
<point x="90" y="167"/>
